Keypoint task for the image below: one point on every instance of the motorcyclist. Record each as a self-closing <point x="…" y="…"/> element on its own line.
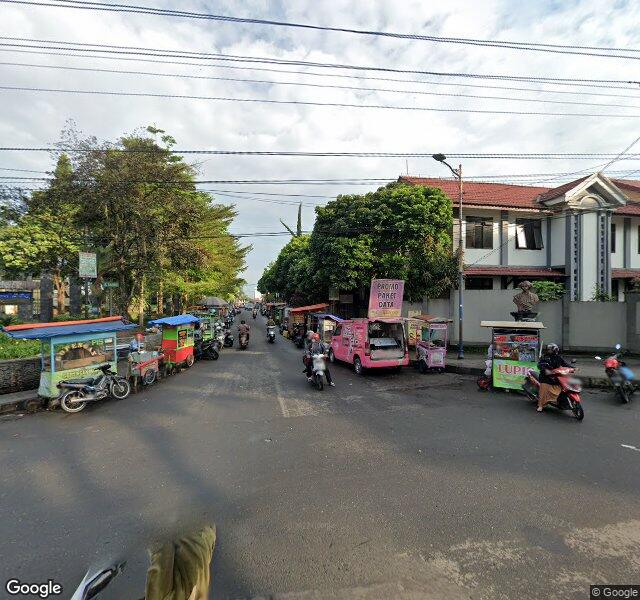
<point x="317" y="347"/>
<point x="243" y="328"/>
<point x="549" y="387"/>
<point x="271" y="322"/>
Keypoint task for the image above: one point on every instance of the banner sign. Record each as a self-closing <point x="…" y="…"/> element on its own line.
<point x="87" y="265"/>
<point x="510" y="374"/>
<point x="385" y="299"/>
<point x="7" y="296"/>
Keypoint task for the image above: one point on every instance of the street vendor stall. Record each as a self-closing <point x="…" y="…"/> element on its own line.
<point x="72" y="349"/>
<point x="299" y="316"/>
<point x="177" y="340"/>
<point x="325" y="325"/>
<point x="429" y="337"/>
<point x="515" y="348"/>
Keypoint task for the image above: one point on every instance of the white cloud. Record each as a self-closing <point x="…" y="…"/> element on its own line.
<point x="30" y="118"/>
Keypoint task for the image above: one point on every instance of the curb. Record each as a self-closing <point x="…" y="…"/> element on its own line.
<point x="30" y="405"/>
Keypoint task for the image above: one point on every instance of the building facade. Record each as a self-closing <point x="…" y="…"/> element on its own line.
<point x="585" y="234"/>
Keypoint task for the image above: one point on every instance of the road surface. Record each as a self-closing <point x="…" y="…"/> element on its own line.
<point x="387" y="486"/>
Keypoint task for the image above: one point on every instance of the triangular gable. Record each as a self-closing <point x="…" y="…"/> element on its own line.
<point x="587" y="192"/>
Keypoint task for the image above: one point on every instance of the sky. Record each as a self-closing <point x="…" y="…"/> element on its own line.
<point x="35" y="119"/>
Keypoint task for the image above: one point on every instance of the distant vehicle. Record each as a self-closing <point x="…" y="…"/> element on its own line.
<point x="620" y="376"/>
<point x="370" y="344"/>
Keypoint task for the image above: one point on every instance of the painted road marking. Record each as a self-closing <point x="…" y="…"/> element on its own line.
<point x="630" y="447"/>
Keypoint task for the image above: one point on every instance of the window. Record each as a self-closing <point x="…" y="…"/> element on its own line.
<point x="338" y="330"/>
<point x="479" y="232"/>
<point x="613" y="238"/>
<point x="529" y="234"/>
<point x="478" y="283"/>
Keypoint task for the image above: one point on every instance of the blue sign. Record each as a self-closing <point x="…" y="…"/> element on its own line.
<point x="5" y="296"/>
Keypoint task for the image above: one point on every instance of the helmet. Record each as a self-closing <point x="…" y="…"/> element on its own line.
<point x="242" y="322"/>
<point x="552" y="349"/>
<point x="316" y="336"/>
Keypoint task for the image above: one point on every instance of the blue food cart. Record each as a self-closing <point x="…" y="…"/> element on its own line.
<point x="72" y="349"/>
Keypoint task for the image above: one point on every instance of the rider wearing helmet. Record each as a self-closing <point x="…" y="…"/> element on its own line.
<point x="244" y="328"/>
<point x="318" y="347"/>
<point x="549" y="388"/>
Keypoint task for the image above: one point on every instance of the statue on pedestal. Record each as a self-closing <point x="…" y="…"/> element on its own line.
<point x="526" y="301"/>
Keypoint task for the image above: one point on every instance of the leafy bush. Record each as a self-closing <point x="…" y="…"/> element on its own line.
<point x="12" y="348"/>
<point x="548" y="291"/>
<point x="600" y="295"/>
<point x="9" y="320"/>
<point x="67" y="317"/>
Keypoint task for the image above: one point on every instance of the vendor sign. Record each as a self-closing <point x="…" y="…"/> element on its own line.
<point x="511" y="374"/>
<point x="385" y="299"/>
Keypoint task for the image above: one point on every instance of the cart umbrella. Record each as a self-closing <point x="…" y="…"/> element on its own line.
<point x="72" y="349"/>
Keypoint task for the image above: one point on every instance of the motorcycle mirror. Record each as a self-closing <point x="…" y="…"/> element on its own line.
<point x="573" y="361"/>
<point x="598" y="357"/>
<point x="618" y="346"/>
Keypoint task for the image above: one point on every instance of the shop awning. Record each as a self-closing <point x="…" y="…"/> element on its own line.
<point x="174" y="321"/>
<point x="310" y="308"/>
<point x="42" y="331"/>
<point x="327" y="316"/>
<point x="625" y="273"/>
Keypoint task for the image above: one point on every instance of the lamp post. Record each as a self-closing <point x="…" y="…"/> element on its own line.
<point x="441" y="158"/>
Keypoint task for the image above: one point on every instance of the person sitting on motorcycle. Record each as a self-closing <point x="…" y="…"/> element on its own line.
<point x="549" y="387"/>
<point x="317" y="347"/>
<point x="271" y="322"/>
<point x="243" y="328"/>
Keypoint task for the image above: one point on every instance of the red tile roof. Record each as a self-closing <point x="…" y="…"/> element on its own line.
<point x="309" y="308"/>
<point x="505" y="195"/>
<point x="513" y="271"/>
<point x="625" y="273"/>
<point x="483" y="194"/>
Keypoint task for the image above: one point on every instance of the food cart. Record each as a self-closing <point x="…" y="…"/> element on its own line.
<point x="429" y="336"/>
<point x="72" y="349"/>
<point x="300" y="316"/>
<point x="177" y="340"/>
<point x="324" y="324"/>
<point x="515" y="348"/>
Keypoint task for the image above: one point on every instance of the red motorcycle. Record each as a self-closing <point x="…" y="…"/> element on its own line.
<point x="569" y="398"/>
<point x="620" y="376"/>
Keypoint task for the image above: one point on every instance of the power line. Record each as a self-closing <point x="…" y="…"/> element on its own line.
<point x="358" y="77"/>
<point x="211" y="56"/>
<point x="323" y="86"/>
<point x="596" y="51"/>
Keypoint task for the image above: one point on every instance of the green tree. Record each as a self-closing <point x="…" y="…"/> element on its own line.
<point x="398" y="231"/>
<point x="43" y="237"/>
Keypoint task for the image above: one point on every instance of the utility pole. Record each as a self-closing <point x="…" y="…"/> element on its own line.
<point x="458" y="175"/>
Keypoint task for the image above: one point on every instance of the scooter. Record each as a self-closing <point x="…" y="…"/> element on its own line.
<point x="254" y="314"/>
<point x="318" y="369"/>
<point x="569" y="398"/>
<point x="206" y="350"/>
<point x="620" y="376"/>
<point x="76" y="393"/>
<point x="243" y="340"/>
<point x="228" y="339"/>
<point x="271" y="334"/>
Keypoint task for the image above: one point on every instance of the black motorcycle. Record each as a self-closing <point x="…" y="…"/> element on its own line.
<point x="206" y="350"/>
<point x="228" y="339"/>
<point x="76" y="393"/>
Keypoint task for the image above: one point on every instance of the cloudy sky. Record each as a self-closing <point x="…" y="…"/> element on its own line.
<point x="32" y="118"/>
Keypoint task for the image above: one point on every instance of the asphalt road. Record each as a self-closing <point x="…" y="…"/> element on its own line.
<point x="387" y="486"/>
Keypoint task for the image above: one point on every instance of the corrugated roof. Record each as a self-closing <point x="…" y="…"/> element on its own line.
<point x="310" y="308"/>
<point x="625" y="273"/>
<point x="176" y="320"/>
<point x="75" y="328"/>
<point x="328" y="316"/>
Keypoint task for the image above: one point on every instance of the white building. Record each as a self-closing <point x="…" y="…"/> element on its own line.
<point x="585" y="233"/>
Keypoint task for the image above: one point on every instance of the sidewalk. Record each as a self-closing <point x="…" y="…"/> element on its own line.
<point x="588" y="369"/>
<point x="20" y="401"/>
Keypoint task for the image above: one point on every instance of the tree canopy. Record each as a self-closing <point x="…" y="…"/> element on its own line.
<point x="399" y="231"/>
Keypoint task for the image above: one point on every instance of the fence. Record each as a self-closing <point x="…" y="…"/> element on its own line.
<point x="577" y="326"/>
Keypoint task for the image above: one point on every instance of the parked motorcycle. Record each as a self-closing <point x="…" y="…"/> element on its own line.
<point x="271" y="334"/>
<point x="620" y="376"/>
<point x="569" y="398"/>
<point x="243" y="340"/>
<point x="76" y="393"/>
<point x="228" y="339"/>
<point x="206" y="350"/>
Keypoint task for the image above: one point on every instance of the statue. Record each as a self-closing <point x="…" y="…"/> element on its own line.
<point x="526" y="301"/>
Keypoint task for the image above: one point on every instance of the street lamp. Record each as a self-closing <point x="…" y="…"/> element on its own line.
<point x="457" y="173"/>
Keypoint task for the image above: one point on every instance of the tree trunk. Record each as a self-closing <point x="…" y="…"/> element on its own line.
<point x="61" y="289"/>
<point x="160" y="303"/>
<point x="141" y="313"/>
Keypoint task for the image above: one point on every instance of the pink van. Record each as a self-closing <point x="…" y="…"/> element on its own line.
<point x="370" y="344"/>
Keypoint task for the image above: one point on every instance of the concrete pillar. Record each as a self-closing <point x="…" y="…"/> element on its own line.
<point x="46" y="298"/>
<point x="75" y="297"/>
<point x="632" y="301"/>
<point x="503" y="237"/>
